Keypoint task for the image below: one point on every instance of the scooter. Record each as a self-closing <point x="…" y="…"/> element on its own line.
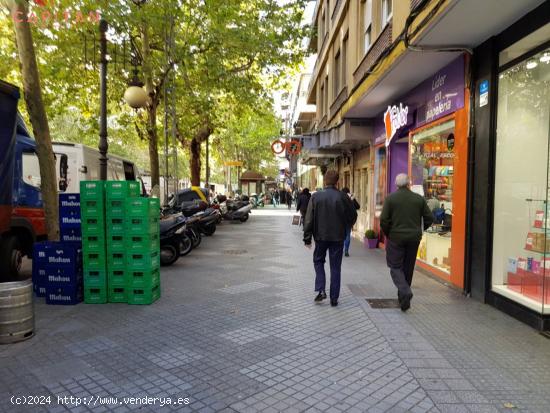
<point x="173" y="239"/>
<point x="231" y="214"/>
<point x="257" y="200"/>
<point x="208" y="220"/>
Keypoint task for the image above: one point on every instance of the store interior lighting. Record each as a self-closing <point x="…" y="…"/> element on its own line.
<point x="545" y="58"/>
<point x="531" y="64"/>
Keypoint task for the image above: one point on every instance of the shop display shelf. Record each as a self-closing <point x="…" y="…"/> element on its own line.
<point x="95" y="295"/>
<point x="514" y="281"/>
<point x="143" y="278"/>
<point x="143" y="296"/>
<point x="117" y="294"/>
<point x="64" y="295"/>
<point x="122" y="189"/>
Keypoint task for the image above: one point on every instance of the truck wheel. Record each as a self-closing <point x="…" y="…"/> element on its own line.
<point x="11" y="257"/>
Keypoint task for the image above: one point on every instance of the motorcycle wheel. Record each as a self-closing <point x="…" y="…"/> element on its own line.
<point x="196" y="238"/>
<point x="169" y="254"/>
<point x="244" y="218"/>
<point x="209" y="230"/>
<point x="186" y="245"/>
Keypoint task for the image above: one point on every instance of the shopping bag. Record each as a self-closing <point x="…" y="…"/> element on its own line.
<point x="296" y="220"/>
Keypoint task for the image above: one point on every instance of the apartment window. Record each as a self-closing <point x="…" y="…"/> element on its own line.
<point x="366" y="26"/>
<point x="325" y="99"/>
<point x="322" y="28"/>
<point x="344" y="61"/>
<point x="336" y="74"/>
<point x="321" y="99"/>
<point x="387" y="11"/>
<point x="327" y="16"/>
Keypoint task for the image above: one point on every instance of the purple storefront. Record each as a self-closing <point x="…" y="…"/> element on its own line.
<point x="424" y="134"/>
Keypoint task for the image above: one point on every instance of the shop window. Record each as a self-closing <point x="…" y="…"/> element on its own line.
<point x="380" y="171"/>
<point x="432" y="168"/>
<point x="521" y="227"/>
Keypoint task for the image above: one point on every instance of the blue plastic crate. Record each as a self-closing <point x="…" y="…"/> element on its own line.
<point x="73" y="235"/>
<point x="62" y="276"/>
<point x="67" y="295"/>
<point x="60" y="254"/>
<point x="69" y="201"/>
<point x="69" y="221"/>
<point x="38" y="280"/>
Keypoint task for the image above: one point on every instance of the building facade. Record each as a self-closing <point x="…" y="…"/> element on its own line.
<point x="395" y="86"/>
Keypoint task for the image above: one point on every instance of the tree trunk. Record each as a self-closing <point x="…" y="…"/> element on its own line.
<point x="38" y="118"/>
<point x="151" y="109"/>
<point x="152" y="135"/>
<point x="195" y="164"/>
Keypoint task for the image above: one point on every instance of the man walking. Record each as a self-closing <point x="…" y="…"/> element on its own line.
<point x="302" y="203"/>
<point x="405" y="216"/>
<point x="329" y="213"/>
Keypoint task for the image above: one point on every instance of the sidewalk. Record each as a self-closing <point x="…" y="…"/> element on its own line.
<point x="236" y="330"/>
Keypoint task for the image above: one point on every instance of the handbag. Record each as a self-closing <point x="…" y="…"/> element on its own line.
<point x="296" y="219"/>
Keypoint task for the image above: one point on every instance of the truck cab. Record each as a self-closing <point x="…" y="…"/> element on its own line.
<point x="22" y="215"/>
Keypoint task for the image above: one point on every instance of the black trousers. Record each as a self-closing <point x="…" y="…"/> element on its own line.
<point x="401" y="259"/>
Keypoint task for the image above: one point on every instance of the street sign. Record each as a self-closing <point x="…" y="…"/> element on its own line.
<point x="233" y="163"/>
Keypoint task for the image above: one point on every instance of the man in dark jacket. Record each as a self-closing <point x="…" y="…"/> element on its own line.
<point x="405" y="216"/>
<point x="302" y="203"/>
<point x="329" y="213"/>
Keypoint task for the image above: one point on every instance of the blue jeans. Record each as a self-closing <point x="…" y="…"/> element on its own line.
<point x="319" y="257"/>
<point x="347" y="241"/>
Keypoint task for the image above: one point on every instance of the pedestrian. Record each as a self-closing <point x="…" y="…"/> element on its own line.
<point x="347" y="241"/>
<point x="329" y="213"/>
<point x="282" y="196"/>
<point x="275" y="198"/>
<point x="302" y="202"/>
<point x="405" y="215"/>
<point x="289" y="199"/>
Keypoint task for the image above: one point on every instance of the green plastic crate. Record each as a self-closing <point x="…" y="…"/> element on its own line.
<point x="116" y="260"/>
<point x="143" y="242"/>
<point x="143" y="261"/>
<point x="94" y="261"/>
<point x="93" y="226"/>
<point x="143" y="278"/>
<point x="115" y="226"/>
<point x="92" y="190"/>
<point x="117" y="294"/>
<point x="115" y="208"/>
<point x="143" y="295"/>
<point x="118" y="277"/>
<point x="93" y="243"/>
<point x="95" y="295"/>
<point x="92" y="208"/>
<point x="122" y="189"/>
<point x="141" y="207"/>
<point x="116" y="242"/>
<point x="142" y="225"/>
<point x="95" y="278"/>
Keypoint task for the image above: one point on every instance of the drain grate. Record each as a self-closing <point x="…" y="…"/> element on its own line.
<point x="234" y="252"/>
<point x="383" y="302"/>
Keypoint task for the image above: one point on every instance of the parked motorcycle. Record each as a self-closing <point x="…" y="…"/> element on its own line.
<point x="173" y="239"/>
<point x="257" y="200"/>
<point x="208" y="219"/>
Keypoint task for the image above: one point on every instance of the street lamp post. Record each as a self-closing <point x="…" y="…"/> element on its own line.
<point x="103" y="144"/>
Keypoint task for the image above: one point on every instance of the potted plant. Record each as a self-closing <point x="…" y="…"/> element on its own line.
<point x="371" y="239"/>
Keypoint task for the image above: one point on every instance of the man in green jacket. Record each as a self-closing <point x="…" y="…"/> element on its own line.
<point x="405" y="216"/>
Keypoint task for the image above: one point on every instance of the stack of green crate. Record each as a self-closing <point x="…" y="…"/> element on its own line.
<point x="92" y="208"/>
<point x="116" y="195"/>
<point x="142" y="250"/>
